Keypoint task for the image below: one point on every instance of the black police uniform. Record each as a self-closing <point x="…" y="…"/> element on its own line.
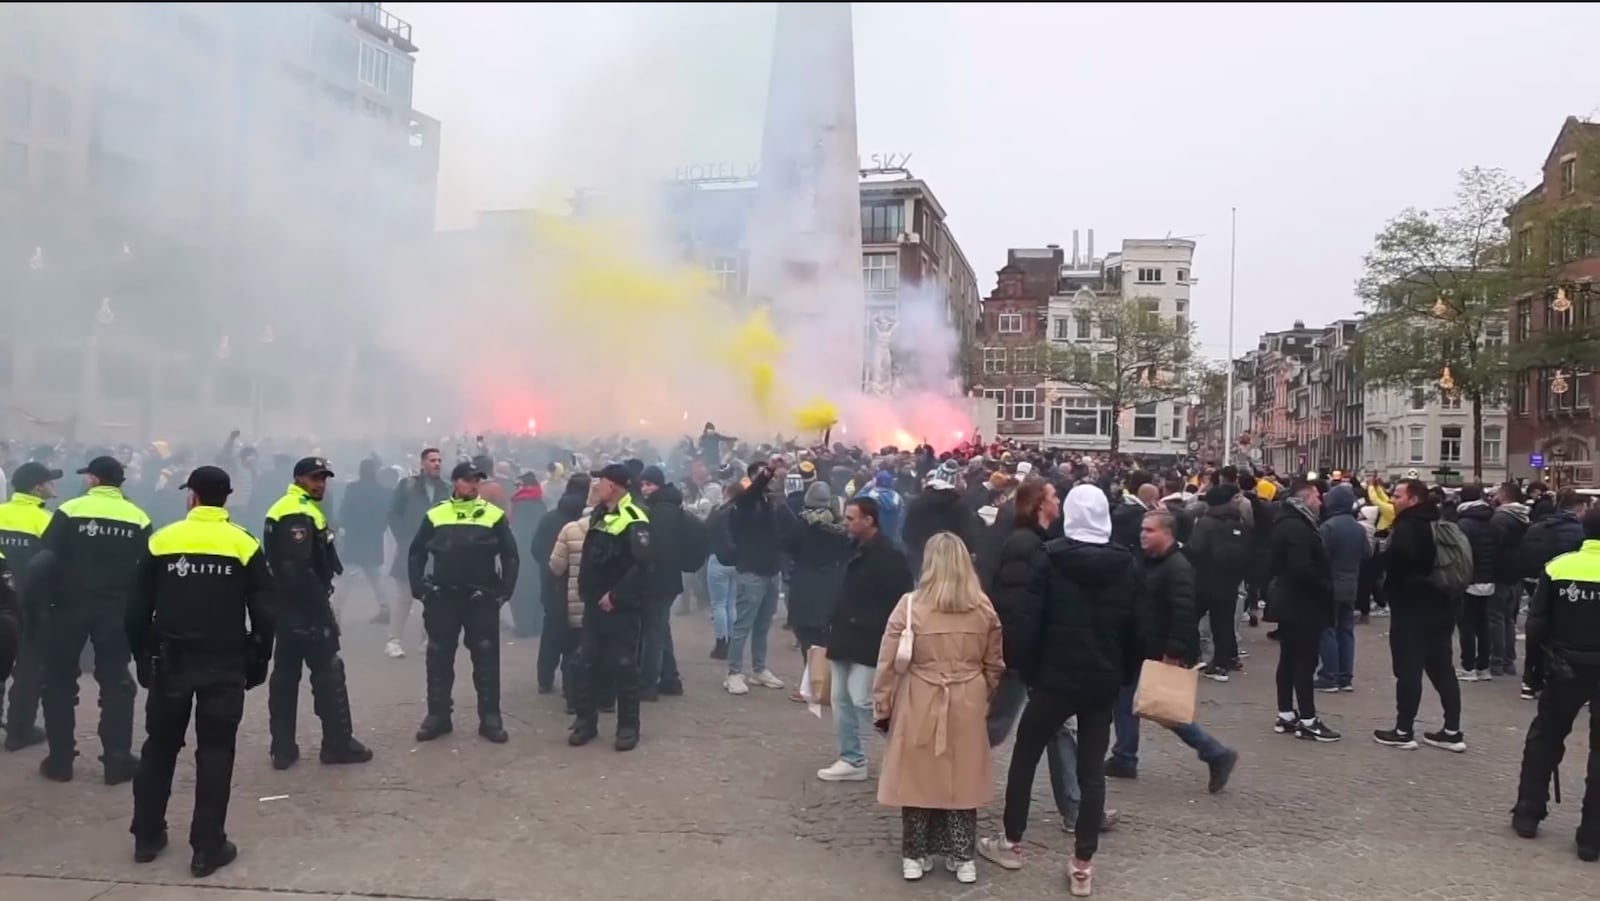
<point x="97" y="541"/>
<point x="202" y="578"/>
<point x="1563" y="623"/>
<point x="23" y="520"/>
<point x="461" y="598"/>
<point x="10" y="620"/>
<point x="304" y="562"/>
<point x="615" y="561"/>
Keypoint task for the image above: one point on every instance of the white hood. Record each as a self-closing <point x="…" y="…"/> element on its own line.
<point x="1085" y="515"/>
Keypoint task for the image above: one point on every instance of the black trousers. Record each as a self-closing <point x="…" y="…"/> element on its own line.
<point x="608" y="656"/>
<point x="1419" y="642"/>
<point x="553" y="646"/>
<point x="1041" y="720"/>
<point x="1299" y="650"/>
<point x="1565" y="693"/>
<point x="22" y="706"/>
<point x="1223" y="610"/>
<point x="317" y="649"/>
<point x="452" y="617"/>
<point x="527" y="613"/>
<point x="66" y="632"/>
<point x="1474" y="628"/>
<point x="1367" y="594"/>
<point x="218" y="704"/>
<point x="809" y="637"/>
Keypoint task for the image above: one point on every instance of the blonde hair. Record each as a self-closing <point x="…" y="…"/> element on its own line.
<point x="948" y="583"/>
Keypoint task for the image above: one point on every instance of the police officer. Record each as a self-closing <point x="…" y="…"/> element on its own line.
<point x="186" y="622"/>
<point x="614" y="585"/>
<point x="465" y="536"/>
<point x="1564" y="656"/>
<point x="10" y="620"/>
<point x="300" y="551"/>
<point x="96" y="541"/>
<point x="23" y="519"/>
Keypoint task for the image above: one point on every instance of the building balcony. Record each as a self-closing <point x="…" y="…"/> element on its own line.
<point x="378" y="22"/>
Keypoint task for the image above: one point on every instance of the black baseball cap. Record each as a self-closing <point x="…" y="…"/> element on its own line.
<point x="31" y="475"/>
<point x="107" y="469"/>
<point x="614" y="472"/>
<point x="312" y="466"/>
<point x="208" y="480"/>
<point x="466" y="469"/>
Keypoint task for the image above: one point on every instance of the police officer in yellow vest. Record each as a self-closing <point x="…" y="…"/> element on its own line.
<point x="466" y="537"/>
<point x="1564" y="657"/>
<point x="97" y="541"/>
<point x="304" y="562"/>
<point x="23" y="519"/>
<point x="614" y="585"/>
<point x="202" y="577"/>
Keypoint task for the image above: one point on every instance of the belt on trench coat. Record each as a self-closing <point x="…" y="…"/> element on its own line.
<point x="937" y="727"/>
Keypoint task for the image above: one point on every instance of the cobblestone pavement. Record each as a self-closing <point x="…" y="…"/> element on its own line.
<point x="720" y="802"/>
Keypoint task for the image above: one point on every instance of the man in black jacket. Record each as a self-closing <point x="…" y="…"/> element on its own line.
<point x="1301" y="598"/>
<point x="1424" y="615"/>
<point x="1167" y="626"/>
<point x="1220" y="549"/>
<point x="752" y="527"/>
<point x="1559" y="532"/>
<point x="939" y="508"/>
<point x="1510" y="522"/>
<point x="557" y="647"/>
<point x="875" y="579"/>
<point x="658" y="664"/>
<point x="413" y="498"/>
<point x="1472" y="516"/>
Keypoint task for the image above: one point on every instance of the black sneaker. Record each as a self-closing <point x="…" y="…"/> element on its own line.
<point x="1215" y="673"/>
<point x="582" y="734"/>
<point x="1254" y="620"/>
<point x="719" y="651"/>
<point x="1446" y="740"/>
<point x="1222" y="771"/>
<point x="492" y="728"/>
<point x="1510" y="669"/>
<point x="1528" y="694"/>
<point x="1317" y="731"/>
<point x="120" y="768"/>
<point x="671" y="689"/>
<point x="1525" y="825"/>
<point x="24" y="737"/>
<point x="545" y="689"/>
<point x="649" y="695"/>
<point x="1394" y="738"/>
<point x="627" y="738"/>
<point x="284" y="758"/>
<point x="1117" y="768"/>
<point x="56" y="769"/>
<point x="204" y="863"/>
<point x="434" y="726"/>
<point x="1327" y="688"/>
<point x="1285" y="727"/>
<point x="146" y="850"/>
<point x="347" y="751"/>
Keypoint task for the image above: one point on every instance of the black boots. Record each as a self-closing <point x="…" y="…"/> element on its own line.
<point x="204" y="863"/>
<point x="720" y="650"/>
<point x="346" y="750"/>
<point x="433" y="726"/>
<point x="582" y="733"/>
<point x="56" y="769"/>
<point x="147" y="849"/>
<point x="490" y="727"/>
<point x="627" y="738"/>
<point x="120" y="767"/>
<point x="283" y="758"/>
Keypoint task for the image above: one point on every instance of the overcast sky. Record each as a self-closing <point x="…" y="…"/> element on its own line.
<point x="1318" y="122"/>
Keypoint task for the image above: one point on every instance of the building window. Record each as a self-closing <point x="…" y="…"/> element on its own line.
<point x="1183" y="276"/>
<point x="1149" y="312"/>
<point x="1022" y="359"/>
<point x="880" y="271"/>
<point x="1450" y="444"/>
<point x="994" y="361"/>
<point x="15" y="171"/>
<point x="1022" y="405"/>
<point x="1083" y="417"/>
<point x="725" y="274"/>
<point x="1085" y="326"/>
<point x="1149" y="276"/>
<point x="1519" y="393"/>
<point x="882" y="223"/>
<point x="1525" y="244"/>
<point x="1177" y="423"/>
<point x="1524" y="319"/>
<point x="1010" y="323"/>
<point x="998" y="395"/>
<point x="1492" y="437"/>
<point x="1569" y="176"/>
<point x="1144" y="421"/>
<point x="373" y="67"/>
<point x="1062" y="328"/>
<point x="1494" y="336"/>
<point x="1450" y="400"/>
<point x="19" y="103"/>
<point x="1418" y="444"/>
<point x="1419" y="398"/>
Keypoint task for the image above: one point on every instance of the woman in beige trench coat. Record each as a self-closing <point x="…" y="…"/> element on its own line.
<point x="936" y="767"/>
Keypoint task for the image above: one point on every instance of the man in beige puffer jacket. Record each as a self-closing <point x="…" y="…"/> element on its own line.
<point x="565" y="563"/>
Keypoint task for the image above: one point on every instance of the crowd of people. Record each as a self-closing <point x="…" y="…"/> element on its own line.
<point x="951" y="601"/>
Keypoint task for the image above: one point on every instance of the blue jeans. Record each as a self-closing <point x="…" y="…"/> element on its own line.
<point x="1126" y="746"/>
<point x="720" y="590"/>
<point x="755" y="603"/>
<point x="658" y="664"/>
<point x="1339" y="648"/>
<point x="852" y="708"/>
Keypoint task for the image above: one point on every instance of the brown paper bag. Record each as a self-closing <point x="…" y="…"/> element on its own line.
<point x="820" y="674"/>
<point x="1166" y="694"/>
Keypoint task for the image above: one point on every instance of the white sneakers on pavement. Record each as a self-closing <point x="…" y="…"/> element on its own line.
<point x="735" y="684"/>
<point x="842" y="771"/>
<point x="766" y="679"/>
<point x="966" y="870"/>
<point x="912" y="868"/>
<point x="394" y="649"/>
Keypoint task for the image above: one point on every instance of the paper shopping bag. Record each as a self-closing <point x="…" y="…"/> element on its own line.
<point x="1166" y="693"/>
<point x="819" y="676"/>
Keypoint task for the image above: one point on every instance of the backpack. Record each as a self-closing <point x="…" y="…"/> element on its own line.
<point x="1452" y="560"/>
<point x="695" y="545"/>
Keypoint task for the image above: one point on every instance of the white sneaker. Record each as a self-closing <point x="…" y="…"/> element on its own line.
<point x="842" y="771"/>
<point x="1484" y="676"/>
<point x="966" y="871"/>
<point x="766" y="679"/>
<point x="1466" y="675"/>
<point x="913" y="868"/>
<point x="735" y="684"/>
<point x="393" y="649"/>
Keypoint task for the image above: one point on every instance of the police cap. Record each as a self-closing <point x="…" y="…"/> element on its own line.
<point x="31" y="475"/>
<point x="107" y="469"/>
<point x="615" y="472"/>
<point x="312" y="466"/>
<point x="208" y="480"/>
<point x="467" y="470"/>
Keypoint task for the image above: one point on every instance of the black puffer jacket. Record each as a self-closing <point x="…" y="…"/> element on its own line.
<point x="1473" y="518"/>
<point x="1168" y="626"/>
<point x="1008" y="586"/>
<point x="1510" y="522"/>
<point x="1219" y="528"/>
<point x="874" y="581"/>
<point x="1301" y="591"/>
<point x="553" y="591"/>
<point x="1078" y="634"/>
<point x="1558" y="533"/>
<point x="665" y="508"/>
<point x="1127" y="516"/>
<point x="935" y="511"/>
